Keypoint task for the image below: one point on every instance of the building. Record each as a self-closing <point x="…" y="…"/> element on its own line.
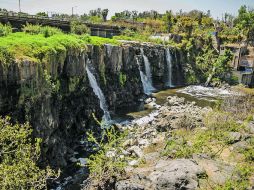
<point x="242" y="62"/>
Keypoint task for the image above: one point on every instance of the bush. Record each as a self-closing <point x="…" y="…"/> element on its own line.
<point x="5" y="30"/>
<point x="18" y="157"/>
<point x="79" y="28"/>
<point x="106" y="164"/>
<point x="211" y="141"/>
<point x="47" y="31"/>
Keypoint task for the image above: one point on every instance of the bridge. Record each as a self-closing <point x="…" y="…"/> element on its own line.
<point x="18" y="20"/>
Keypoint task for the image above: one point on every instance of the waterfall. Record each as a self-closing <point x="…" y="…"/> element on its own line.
<point x="98" y="92"/>
<point x="169" y="66"/>
<point x="146" y="77"/>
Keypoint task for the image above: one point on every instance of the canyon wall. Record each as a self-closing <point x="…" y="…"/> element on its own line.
<point x="58" y="101"/>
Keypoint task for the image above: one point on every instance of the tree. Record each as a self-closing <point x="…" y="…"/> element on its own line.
<point x="214" y="66"/>
<point x="79" y="28"/>
<point x="208" y="14"/>
<point x="18" y="157"/>
<point x="104" y="14"/>
<point x="42" y="14"/>
<point x="245" y="21"/>
<point x="185" y="24"/>
<point x="134" y="15"/>
<point x="168" y="18"/>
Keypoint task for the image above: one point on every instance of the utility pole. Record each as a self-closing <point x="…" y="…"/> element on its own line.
<point x="19" y="7"/>
<point x="72" y="10"/>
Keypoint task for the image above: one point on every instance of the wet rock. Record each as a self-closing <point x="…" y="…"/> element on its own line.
<point x="176" y="174"/>
<point x="149" y="100"/>
<point x="73" y="160"/>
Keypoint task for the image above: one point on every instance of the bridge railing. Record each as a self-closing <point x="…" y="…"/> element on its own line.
<point x="27" y="16"/>
<point x="18" y="16"/>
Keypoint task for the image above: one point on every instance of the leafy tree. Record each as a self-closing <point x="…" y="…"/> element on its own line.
<point x="42" y="14"/>
<point x="214" y="66"/>
<point x="186" y="25"/>
<point x="79" y="28"/>
<point x="96" y="12"/>
<point x="18" y="157"/>
<point x="168" y="18"/>
<point x="104" y="14"/>
<point x="245" y="21"/>
<point x="134" y="15"/>
<point x="84" y="17"/>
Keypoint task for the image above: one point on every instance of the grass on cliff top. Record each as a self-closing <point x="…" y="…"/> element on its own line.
<point x="26" y="46"/>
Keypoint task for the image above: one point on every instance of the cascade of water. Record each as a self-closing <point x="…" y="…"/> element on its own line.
<point x="169" y="65"/>
<point x="98" y="92"/>
<point x="146" y="77"/>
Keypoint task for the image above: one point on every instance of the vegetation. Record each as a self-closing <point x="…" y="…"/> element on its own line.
<point x="47" y="31"/>
<point x="107" y="164"/>
<point x="194" y="33"/>
<point x="122" y="79"/>
<point x="18" y="158"/>
<point x="5" y="30"/>
<point x="79" y="28"/>
<point x="41" y="48"/>
<point x="213" y="136"/>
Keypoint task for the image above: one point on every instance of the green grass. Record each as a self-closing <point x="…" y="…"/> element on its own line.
<point x="37" y="47"/>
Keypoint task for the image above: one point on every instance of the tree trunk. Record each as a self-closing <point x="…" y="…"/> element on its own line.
<point x="210" y="76"/>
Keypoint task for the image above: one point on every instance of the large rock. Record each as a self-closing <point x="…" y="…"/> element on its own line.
<point x="128" y="185"/>
<point x="218" y="172"/>
<point x="176" y="174"/>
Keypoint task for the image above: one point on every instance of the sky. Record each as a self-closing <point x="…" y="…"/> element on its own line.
<point x="217" y="7"/>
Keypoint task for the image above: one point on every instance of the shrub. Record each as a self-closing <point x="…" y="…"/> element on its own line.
<point x="211" y="140"/>
<point x="5" y="30"/>
<point x="31" y="29"/>
<point x="239" y="106"/>
<point x="47" y="31"/>
<point x="106" y="164"/>
<point x="79" y="28"/>
<point x="122" y="79"/>
<point x="18" y="157"/>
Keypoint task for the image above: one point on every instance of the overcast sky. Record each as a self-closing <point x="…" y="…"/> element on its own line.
<point x="217" y="7"/>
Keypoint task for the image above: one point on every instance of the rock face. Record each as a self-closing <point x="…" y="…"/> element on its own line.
<point x="57" y="100"/>
<point x="176" y="174"/>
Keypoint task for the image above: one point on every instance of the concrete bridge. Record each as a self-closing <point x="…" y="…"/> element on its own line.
<point x="18" y="20"/>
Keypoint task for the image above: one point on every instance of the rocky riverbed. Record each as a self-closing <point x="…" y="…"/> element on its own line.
<point x="154" y="170"/>
<point x="147" y="139"/>
<point x="203" y="156"/>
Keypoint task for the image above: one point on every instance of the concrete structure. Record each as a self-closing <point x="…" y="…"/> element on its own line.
<point x="17" y="21"/>
<point x="242" y="62"/>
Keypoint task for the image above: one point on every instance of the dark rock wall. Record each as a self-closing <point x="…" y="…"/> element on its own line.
<point x="57" y="100"/>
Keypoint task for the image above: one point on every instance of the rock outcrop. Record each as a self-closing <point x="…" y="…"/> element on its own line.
<point x="56" y="98"/>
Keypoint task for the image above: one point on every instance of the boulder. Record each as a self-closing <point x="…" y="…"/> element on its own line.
<point x="234" y="137"/>
<point x="136" y="150"/>
<point x="176" y="174"/>
<point x="128" y="185"/>
<point x="218" y="172"/>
